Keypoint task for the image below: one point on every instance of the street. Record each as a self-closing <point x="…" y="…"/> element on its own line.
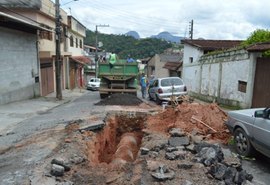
<point x="25" y="149"/>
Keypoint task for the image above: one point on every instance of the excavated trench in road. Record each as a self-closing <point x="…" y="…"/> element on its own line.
<point x="119" y="141"/>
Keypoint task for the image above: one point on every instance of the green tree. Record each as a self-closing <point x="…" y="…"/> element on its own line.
<point x="126" y="45"/>
<point x="257" y="36"/>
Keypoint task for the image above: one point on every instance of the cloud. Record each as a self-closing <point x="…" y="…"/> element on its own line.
<point x="213" y="19"/>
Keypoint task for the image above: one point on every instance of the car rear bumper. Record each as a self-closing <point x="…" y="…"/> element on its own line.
<point x="92" y="88"/>
<point x="167" y="97"/>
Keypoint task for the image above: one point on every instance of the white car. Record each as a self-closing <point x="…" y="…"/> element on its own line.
<point x="93" y="84"/>
<point x="161" y="89"/>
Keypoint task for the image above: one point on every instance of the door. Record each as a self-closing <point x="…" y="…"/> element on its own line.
<point x="261" y="90"/>
<point x="47" y="82"/>
<point x="72" y="75"/>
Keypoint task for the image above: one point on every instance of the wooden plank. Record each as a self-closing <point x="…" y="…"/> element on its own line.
<point x="203" y="123"/>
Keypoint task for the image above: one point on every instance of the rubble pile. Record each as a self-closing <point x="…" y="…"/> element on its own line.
<point x="205" y="120"/>
<point x="115" y="156"/>
<point x="120" y="99"/>
<point x="183" y="156"/>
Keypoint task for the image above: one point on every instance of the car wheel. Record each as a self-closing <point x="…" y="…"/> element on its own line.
<point x="243" y="145"/>
<point x="158" y="101"/>
<point x="150" y="98"/>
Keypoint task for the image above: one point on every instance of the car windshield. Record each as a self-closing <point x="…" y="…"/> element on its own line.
<point x="171" y="81"/>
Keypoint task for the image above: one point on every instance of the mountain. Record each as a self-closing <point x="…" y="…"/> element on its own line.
<point x="168" y="37"/>
<point x="133" y="34"/>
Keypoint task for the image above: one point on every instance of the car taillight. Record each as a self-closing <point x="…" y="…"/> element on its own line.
<point x="159" y="91"/>
<point x="185" y="88"/>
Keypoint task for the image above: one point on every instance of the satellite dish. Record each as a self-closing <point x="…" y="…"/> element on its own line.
<point x="100" y="44"/>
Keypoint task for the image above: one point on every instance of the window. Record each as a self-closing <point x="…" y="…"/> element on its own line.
<point x="190" y="59"/>
<point x="242" y="86"/>
<point x="71" y="41"/>
<point x="80" y="43"/>
<point x="45" y="35"/>
<point x="76" y="42"/>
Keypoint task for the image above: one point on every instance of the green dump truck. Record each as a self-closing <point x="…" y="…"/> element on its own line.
<point x="122" y="78"/>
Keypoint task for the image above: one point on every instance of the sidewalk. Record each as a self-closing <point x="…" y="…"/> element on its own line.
<point x="16" y="112"/>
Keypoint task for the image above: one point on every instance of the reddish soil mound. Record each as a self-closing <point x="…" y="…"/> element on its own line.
<point x="120" y="99"/>
<point x="189" y="117"/>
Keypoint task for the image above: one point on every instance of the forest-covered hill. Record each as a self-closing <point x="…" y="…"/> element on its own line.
<point x="127" y="45"/>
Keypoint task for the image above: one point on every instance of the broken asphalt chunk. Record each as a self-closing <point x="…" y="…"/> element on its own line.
<point x="185" y="166"/>
<point x="178" y="141"/>
<point x="176" y="132"/>
<point x="163" y="174"/>
<point x="144" y="151"/>
<point x="57" y="170"/>
<point x="61" y="162"/>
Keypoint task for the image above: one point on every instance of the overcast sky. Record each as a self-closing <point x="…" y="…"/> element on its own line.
<point x="213" y="19"/>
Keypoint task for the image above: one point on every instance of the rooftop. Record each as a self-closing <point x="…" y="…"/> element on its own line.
<point x="258" y="47"/>
<point x="211" y="45"/>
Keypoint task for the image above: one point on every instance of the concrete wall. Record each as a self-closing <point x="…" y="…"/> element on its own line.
<point x="18" y="66"/>
<point x="216" y="77"/>
<point x="191" y="71"/>
<point x="77" y="27"/>
<point x="159" y="71"/>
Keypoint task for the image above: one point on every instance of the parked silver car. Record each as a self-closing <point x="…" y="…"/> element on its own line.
<point x="251" y="130"/>
<point x="161" y="89"/>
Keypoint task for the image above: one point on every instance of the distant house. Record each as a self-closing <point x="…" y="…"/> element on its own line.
<point x="231" y="75"/>
<point x="165" y="65"/>
<point x="19" y="64"/>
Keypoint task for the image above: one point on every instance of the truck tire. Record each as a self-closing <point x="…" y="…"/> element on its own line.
<point x="242" y="143"/>
<point x="102" y="96"/>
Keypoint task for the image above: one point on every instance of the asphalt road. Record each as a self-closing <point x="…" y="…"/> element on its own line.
<point x="79" y="108"/>
<point x="12" y="165"/>
<point x="259" y="168"/>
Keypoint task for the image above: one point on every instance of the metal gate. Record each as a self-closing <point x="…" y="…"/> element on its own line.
<point x="261" y="90"/>
<point x="47" y="82"/>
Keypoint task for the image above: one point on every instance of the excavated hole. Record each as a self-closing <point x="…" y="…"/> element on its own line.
<point x="119" y="141"/>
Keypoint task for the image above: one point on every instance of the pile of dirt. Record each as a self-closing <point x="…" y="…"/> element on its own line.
<point x="120" y="99"/>
<point x="207" y="120"/>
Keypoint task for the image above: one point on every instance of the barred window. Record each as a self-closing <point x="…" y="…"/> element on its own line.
<point x="190" y="59"/>
<point x="242" y="86"/>
<point x="80" y="43"/>
<point x="71" y="40"/>
<point x="46" y="35"/>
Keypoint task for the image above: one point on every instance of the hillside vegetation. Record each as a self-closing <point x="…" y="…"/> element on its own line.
<point x="126" y="45"/>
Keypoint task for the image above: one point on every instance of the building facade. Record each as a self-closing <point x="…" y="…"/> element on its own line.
<point x="227" y="76"/>
<point x="19" y="63"/>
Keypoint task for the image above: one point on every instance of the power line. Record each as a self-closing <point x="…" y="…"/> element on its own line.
<point x="104" y="9"/>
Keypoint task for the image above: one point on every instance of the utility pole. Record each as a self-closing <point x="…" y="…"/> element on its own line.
<point x="58" y="50"/>
<point x="191" y="30"/>
<point x="96" y="54"/>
